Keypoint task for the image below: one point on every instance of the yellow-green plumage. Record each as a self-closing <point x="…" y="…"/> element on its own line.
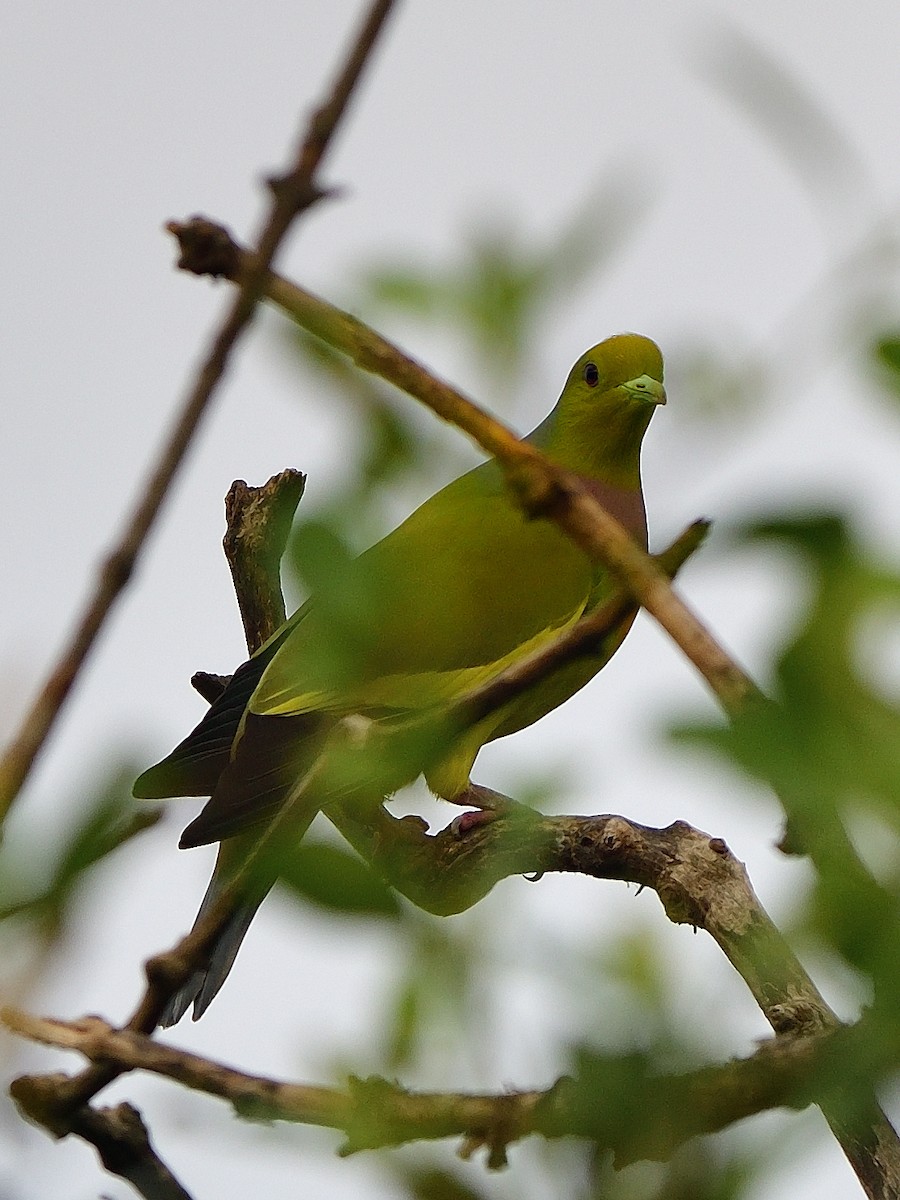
<point x="464" y="587"/>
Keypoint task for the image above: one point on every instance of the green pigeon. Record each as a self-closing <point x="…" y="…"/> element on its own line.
<point x="464" y="587"/>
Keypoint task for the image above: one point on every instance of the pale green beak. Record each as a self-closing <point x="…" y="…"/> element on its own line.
<point x="645" y="387"/>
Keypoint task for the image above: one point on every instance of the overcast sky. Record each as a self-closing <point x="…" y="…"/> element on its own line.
<point x="755" y="238"/>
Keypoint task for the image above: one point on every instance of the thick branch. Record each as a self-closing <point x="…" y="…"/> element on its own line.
<point x="697" y="878"/>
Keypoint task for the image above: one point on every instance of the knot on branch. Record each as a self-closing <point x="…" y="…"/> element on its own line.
<point x="297" y="191"/>
<point x="601" y="844"/>
<point x="798" y="1017"/>
<point x="206" y="248"/>
<point x="509" y="1122"/>
<point x="537" y="486"/>
<point x="166" y="972"/>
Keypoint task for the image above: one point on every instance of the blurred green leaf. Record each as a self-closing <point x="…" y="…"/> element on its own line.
<point x="886" y="353"/>
<point x="504" y="285"/>
<point x="108" y="823"/>
<point x="388" y="439"/>
<point x="697" y="1171"/>
<point x="337" y="880"/>
<point x="406" y="1020"/>
<point x="437" y="992"/>
<point x="831" y="738"/>
<point x="433" y="1183"/>
<point x="608" y="1093"/>
<point x="717" y="385"/>
<point x="828" y="743"/>
<point x="635" y="961"/>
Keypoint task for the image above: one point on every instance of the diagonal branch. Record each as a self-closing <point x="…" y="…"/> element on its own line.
<point x="542" y="488"/>
<point x="292" y="193"/>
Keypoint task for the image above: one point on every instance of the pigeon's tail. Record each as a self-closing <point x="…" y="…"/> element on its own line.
<point x="203" y="985"/>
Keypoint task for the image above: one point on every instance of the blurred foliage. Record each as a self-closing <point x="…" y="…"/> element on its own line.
<point x="503" y="287"/>
<point x="388" y="447"/>
<point x="831" y="737"/>
<point x="110" y="820"/>
<point x="438" y="996"/>
<point x="886" y="353"/>
<point x="698" y="1171"/>
<point x="338" y="881"/>
<point x="433" y="1183"/>
<point x="829" y="745"/>
<point x="827" y="742"/>
<point x="717" y="387"/>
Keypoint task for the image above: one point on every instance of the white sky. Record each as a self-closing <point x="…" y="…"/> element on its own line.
<point x="118" y="117"/>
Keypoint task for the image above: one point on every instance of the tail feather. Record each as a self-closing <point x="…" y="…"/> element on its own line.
<point x="204" y="984"/>
<point x="194" y="766"/>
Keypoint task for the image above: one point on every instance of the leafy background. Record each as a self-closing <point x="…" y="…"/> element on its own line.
<point x="518" y="182"/>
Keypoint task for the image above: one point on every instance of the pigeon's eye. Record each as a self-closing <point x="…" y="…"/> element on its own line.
<point x="590" y="374"/>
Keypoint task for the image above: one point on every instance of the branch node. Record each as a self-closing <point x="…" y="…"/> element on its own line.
<point x="206" y="248"/>
<point x="296" y="194"/>
<point x="537" y="487"/>
<point x="118" y="568"/>
<point x="166" y="972"/>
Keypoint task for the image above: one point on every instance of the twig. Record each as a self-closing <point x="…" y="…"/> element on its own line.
<point x="582" y="638"/>
<point x="292" y="193"/>
<point x="121" y="1139"/>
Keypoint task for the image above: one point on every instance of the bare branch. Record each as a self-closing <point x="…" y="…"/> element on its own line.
<point x="376" y="1113"/>
<point x="123" y="1143"/>
<point x="292" y="193"/>
<point x="258" y="522"/>
<point x="118" y="1134"/>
